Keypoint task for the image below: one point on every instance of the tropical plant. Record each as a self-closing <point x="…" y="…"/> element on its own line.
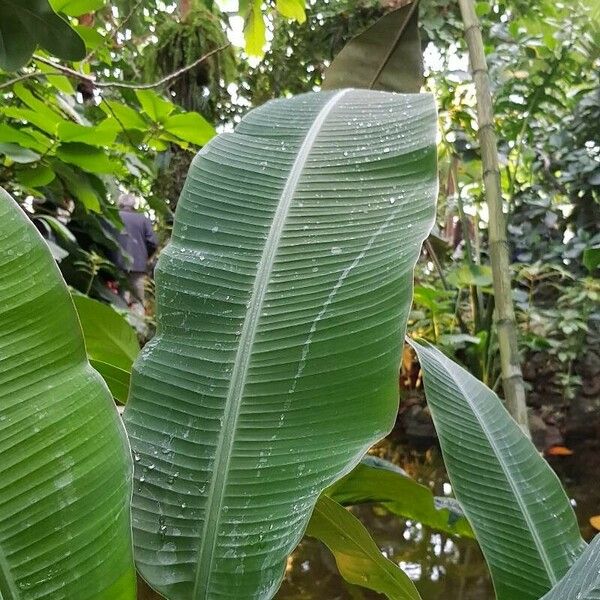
<point x="274" y="332"/>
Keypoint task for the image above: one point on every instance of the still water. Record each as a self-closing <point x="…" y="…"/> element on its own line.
<point x="442" y="567"/>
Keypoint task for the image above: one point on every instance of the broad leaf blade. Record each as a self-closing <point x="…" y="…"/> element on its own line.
<point x="582" y="582"/>
<point x="25" y="25"/>
<point x="358" y="558"/>
<point x="65" y="469"/>
<point x="387" y="56"/>
<point x="280" y="302"/>
<point x="519" y="511"/>
<point x="402" y="495"/>
<point x="111" y="343"/>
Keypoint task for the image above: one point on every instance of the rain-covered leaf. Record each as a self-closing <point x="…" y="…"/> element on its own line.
<point x="281" y="302"/>
<point x="66" y="467"/>
<point x="582" y="582"/>
<point x="520" y="514"/>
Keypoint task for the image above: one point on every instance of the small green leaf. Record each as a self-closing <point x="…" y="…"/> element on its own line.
<point x="291" y="9"/>
<point x="93" y="136"/>
<point x="92" y="37"/>
<point x="18" y="154"/>
<point x="125" y="116"/>
<point x="74" y="8"/>
<point x="591" y="258"/>
<point x="20" y="137"/>
<point x="190" y="127"/>
<point x="157" y="108"/>
<point x="78" y="185"/>
<point x="358" y="559"/>
<point x="37" y="177"/>
<point x="88" y="158"/>
<point x="467" y="275"/>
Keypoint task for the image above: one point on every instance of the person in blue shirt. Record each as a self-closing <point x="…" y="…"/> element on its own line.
<point x="138" y="243"/>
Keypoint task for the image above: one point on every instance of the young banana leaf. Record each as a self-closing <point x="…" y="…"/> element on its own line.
<point x="281" y="304"/>
<point x="519" y="511"/>
<point x="65" y="465"/>
<point x="582" y="581"/>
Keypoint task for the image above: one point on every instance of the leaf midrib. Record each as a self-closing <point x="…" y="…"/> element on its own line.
<point x="243" y="356"/>
<point x="522" y="504"/>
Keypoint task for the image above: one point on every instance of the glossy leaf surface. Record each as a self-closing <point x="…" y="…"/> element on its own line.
<point x="372" y="481"/>
<point x="358" y="558"/>
<point x="65" y="467"/>
<point x="582" y="582"/>
<point x="281" y="302"/>
<point x="519" y="511"/>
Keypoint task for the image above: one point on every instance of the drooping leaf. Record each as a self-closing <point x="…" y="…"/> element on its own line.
<point x="190" y="127"/>
<point x="399" y="493"/>
<point x="280" y="302"/>
<point x="86" y="157"/>
<point x="78" y="185"/>
<point x="387" y="56"/>
<point x="254" y="27"/>
<point x="582" y="582"/>
<point x="519" y="511"/>
<point x="358" y="558"/>
<point x="110" y="341"/>
<point x="27" y="24"/>
<point x="65" y="469"/>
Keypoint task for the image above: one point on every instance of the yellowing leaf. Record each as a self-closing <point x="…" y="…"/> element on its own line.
<point x="254" y="28"/>
<point x="595" y="522"/>
<point x="292" y="9"/>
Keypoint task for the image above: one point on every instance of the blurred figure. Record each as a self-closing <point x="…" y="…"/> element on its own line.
<point x="138" y="243"/>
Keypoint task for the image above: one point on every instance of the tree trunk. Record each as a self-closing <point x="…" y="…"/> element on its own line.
<point x="512" y="379"/>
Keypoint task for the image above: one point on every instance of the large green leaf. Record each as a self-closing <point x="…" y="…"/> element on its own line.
<point x="358" y="558"/>
<point x="387" y="56"/>
<point x="582" y="581"/>
<point x="520" y="513"/>
<point x="372" y="481"/>
<point x="25" y="24"/>
<point x="110" y="341"/>
<point x="65" y="469"/>
<point x="281" y="300"/>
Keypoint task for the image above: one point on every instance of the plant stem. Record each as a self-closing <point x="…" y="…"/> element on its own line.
<point x="512" y="378"/>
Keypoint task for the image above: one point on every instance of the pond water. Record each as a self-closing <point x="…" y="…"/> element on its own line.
<point x="442" y="567"/>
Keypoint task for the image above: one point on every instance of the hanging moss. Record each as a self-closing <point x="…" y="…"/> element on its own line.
<point x="181" y="42"/>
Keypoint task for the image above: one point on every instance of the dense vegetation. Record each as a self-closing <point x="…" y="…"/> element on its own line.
<point x="113" y="97"/>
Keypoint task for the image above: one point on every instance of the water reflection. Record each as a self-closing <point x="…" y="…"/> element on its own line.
<point x="441" y="566"/>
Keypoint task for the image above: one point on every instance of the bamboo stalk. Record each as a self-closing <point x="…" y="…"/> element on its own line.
<point x="512" y="378"/>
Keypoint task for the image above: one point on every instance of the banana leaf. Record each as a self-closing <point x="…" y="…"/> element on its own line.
<point x="358" y="558"/>
<point x="281" y="304"/>
<point x="65" y="464"/>
<point x="519" y="511"/>
<point x="582" y="581"/>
